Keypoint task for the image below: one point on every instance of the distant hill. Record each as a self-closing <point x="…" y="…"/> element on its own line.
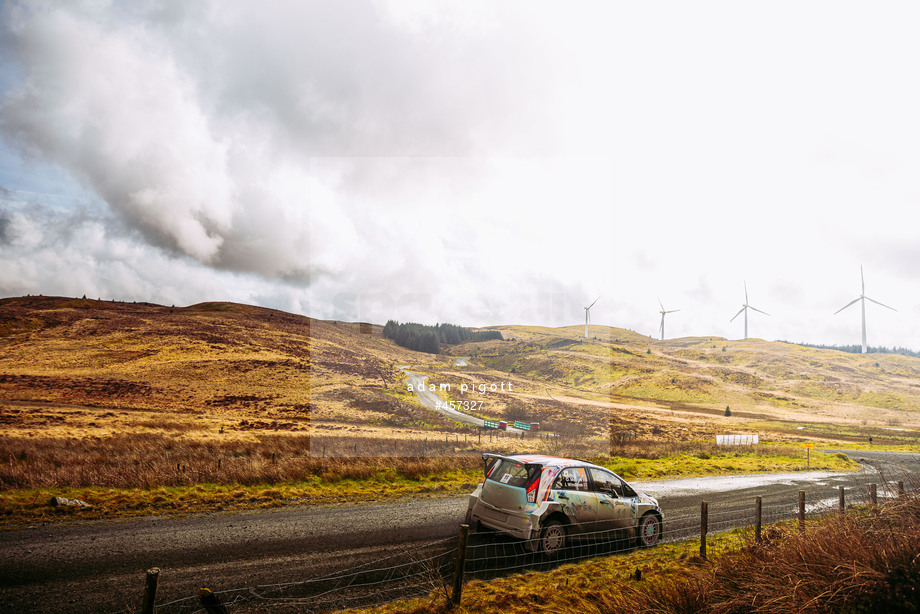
<point x="211" y="357"/>
<point x="249" y="363"/>
<point x="751" y="374"/>
<point x="769" y="385"/>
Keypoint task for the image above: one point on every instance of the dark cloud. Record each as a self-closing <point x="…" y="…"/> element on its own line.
<point x="4" y="227"/>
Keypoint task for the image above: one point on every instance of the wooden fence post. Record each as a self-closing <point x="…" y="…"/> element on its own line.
<point x="704" y="527"/>
<point x="900" y="490"/>
<point x="843" y="501"/>
<point x="150" y="590"/>
<point x="802" y="511"/>
<point x="461" y="564"/>
<point x="211" y="602"/>
<point x="758" y="517"/>
<point x="873" y="496"/>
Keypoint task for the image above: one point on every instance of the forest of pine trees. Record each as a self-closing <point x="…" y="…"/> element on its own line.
<point x="424" y="338"/>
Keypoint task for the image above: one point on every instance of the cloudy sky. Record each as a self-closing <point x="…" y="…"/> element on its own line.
<point x="473" y="162"/>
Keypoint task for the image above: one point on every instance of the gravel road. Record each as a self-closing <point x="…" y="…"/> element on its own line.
<point x="99" y="566"/>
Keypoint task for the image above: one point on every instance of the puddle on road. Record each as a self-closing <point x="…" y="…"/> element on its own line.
<point x="696" y="486"/>
<point x="824" y="505"/>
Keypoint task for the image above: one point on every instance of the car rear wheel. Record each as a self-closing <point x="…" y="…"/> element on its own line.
<point x="649" y="530"/>
<point x="553" y="538"/>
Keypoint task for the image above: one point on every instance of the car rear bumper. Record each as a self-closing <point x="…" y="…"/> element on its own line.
<point x="516" y="524"/>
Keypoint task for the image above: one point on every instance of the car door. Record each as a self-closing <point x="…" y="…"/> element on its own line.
<point x="615" y="509"/>
<point x="579" y="503"/>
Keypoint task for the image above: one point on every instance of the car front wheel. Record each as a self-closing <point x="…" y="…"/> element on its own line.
<point x="649" y="530"/>
<point x="553" y="538"/>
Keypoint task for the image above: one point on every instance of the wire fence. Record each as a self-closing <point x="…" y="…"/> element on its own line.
<point x="408" y="573"/>
<point x="440" y="568"/>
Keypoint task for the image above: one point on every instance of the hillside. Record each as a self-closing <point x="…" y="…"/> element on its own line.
<point x="227" y="364"/>
<point x="775" y="385"/>
<point x="79" y="367"/>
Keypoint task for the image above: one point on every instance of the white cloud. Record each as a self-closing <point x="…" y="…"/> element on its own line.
<point x="475" y="161"/>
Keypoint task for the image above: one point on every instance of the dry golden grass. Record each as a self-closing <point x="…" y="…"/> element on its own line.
<point x="53" y="446"/>
<point x="155" y="460"/>
<point x="251" y="480"/>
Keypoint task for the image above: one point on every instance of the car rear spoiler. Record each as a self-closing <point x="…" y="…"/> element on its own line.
<point x="489" y="461"/>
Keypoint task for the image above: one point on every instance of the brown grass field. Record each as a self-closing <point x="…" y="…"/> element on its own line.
<point x="132" y="395"/>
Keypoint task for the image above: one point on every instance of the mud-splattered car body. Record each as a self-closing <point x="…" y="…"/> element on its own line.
<point x="548" y="500"/>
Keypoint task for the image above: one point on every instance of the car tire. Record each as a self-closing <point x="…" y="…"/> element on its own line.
<point x="553" y="538"/>
<point x="649" y="530"/>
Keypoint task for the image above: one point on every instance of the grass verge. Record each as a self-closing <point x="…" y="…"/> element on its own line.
<point x="112" y="493"/>
<point x="327" y="482"/>
<point x="695" y="459"/>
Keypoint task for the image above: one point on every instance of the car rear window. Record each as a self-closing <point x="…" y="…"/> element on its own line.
<point x="508" y="472"/>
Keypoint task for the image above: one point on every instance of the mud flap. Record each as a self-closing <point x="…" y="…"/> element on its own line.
<point x="532" y="544"/>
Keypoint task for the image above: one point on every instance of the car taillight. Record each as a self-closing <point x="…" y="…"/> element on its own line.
<point x="491" y="464"/>
<point x="532" y="487"/>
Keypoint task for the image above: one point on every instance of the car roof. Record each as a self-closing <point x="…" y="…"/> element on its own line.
<point x="540" y="459"/>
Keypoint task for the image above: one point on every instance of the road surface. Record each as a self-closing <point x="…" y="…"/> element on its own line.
<point x="99" y="566"/>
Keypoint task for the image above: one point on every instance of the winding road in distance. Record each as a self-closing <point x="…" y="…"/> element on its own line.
<point x="432" y="401"/>
<point x="99" y="566"/>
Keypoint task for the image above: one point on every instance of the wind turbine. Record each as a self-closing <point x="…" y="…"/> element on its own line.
<point x="663" y="312"/>
<point x="588" y="315"/>
<point x="745" y="308"/>
<point x="862" y="297"/>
